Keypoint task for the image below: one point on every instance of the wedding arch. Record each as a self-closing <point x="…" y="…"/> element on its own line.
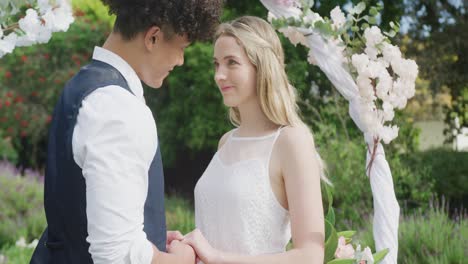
<point x="374" y="82"/>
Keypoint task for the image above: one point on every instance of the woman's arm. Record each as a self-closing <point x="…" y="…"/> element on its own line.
<point x="301" y="173"/>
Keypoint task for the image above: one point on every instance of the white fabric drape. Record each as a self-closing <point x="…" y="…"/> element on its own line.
<point x="329" y="59"/>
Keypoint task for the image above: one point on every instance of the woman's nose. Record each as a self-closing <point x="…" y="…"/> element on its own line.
<point x="219" y="75"/>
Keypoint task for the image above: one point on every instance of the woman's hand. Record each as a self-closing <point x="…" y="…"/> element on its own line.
<point x="204" y="251"/>
<point x="173" y="235"/>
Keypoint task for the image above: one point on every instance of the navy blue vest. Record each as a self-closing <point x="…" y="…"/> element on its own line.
<point x="64" y="240"/>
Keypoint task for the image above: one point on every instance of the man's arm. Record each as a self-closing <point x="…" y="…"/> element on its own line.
<point x="114" y="143"/>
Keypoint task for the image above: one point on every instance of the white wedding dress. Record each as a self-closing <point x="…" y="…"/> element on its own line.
<point x="235" y="207"/>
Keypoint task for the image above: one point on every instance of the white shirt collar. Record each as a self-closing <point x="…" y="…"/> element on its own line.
<point x="123" y="67"/>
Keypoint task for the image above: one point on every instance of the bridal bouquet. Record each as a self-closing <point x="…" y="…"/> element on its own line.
<point x="26" y="22"/>
<point x="380" y="79"/>
<point x="338" y="246"/>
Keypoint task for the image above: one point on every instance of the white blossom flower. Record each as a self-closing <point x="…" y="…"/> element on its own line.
<point x="344" y="250"/>
<point x="372" y="52"/>
<point x="373" y="36"/>
<point x="411" y="69"/>
<point x="366" y="256"/>
<point x="390" y="52"/>
<point x="384" y="84"/>
<point x="388" y="112"/>
<point x="34" y="29"/>
<point x="293" y="35"/>
<point x="63" y="18"/>
<point x="337" y="17"/>
<point x="38" y="26"/>
<point x="312" y="17"/>
<point x="360" y="62"/>
<point x="375" y="68"/>
<point x="7" y="44"/>
<point x="410" y="88"/>
<point x="405" y="68"/>
<point x="43" y="6"/>
<point x="366" y="90"/>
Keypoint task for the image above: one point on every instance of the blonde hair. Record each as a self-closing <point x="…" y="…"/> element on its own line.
<point x="278" y="98"/>
<point x="264" y="50"/>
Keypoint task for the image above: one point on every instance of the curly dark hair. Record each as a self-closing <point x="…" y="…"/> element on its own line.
<point x="197" y="18"/>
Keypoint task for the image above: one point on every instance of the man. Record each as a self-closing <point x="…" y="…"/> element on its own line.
<point x="104" y="185"/>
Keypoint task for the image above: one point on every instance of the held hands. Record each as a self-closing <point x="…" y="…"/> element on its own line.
<point x="205" y="252"/>
<point x="176" y="247"/>
<point x="173" y="235"/>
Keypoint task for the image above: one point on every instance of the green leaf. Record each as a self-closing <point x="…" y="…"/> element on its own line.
<point x="346" y="234"/>
<point x="331" y="215"/>
<point x="364" y="26"/>
<point x="373" y="11"/>
<point x="331" y="242"/>
<point x="372" y="20"/>
<point x="391" y="34"/>
<point x="309" y="3"/>
<point x="329" y="195"/>
<point x="342" y="261"/>
<point x="380" y="6"/>
<point x="355" y="28"/>
<point x="359" y="8"/>
<point x="378" y="256"/>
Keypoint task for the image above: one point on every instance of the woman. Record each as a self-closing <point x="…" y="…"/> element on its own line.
<point x="263" y="184"/>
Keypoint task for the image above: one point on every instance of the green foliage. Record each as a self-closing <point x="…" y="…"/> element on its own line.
<point x="428" y="236"/>
<point x="179" y="214"/>
<point x="95" y="10"/>
<point x="343" y="149"/>
<point x="435" y="39"/>
<point x="7" y="152"/>
<point x="448" y="170"/>
<point x="21" y="209"/>
<point x="17" y="255"/>
<point x="331" y="241"/>
<point x="31" y="79"/>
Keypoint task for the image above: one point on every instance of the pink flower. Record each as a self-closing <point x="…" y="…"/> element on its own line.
<point x="344" y="250"/>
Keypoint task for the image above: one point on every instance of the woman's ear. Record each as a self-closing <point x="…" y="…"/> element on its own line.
<point x="152" y="36"/>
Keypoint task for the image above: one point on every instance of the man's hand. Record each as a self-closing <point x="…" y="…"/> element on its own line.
<point x="173" y="235"/>
<point x="205" y="252"/>
<point x="183" y="251"/>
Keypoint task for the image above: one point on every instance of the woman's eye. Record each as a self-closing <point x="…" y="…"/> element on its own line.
<point x="232" y="62"/>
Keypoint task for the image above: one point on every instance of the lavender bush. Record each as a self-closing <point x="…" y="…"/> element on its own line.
<point x="21" y="204"/>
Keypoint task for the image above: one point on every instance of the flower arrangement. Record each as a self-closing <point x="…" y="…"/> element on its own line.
<point x="338" y="246"/>
<point x="384" y="79"/>
<point x="363" y="65"/>
<point x="24" y="23"/>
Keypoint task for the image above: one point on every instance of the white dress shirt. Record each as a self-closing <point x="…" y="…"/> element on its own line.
<point x="114" y="143"/>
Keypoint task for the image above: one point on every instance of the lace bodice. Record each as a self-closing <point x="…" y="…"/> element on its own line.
<point x="235" y="207"/>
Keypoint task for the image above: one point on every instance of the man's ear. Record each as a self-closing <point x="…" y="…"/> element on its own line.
<point x="152" y="35"/>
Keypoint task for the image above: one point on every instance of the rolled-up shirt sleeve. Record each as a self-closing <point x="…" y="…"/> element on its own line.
<point x="114" y="143"/>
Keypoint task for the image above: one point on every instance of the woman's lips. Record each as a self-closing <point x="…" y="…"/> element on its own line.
<point x="226" y="88"/>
